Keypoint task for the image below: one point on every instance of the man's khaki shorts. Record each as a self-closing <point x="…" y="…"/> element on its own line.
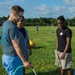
<point x="65" y="63"/>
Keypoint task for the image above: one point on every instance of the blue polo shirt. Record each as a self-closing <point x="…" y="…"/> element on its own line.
<point x="24" y="41"/>
<point x="9" y="32"/>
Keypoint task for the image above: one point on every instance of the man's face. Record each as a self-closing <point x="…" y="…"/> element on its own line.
<point x="17" y="16"/>
<point x="21" y="22"/>
<point x="60" y="23"/>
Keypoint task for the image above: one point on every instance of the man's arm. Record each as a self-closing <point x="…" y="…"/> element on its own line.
<point x="68" y="40"/>
<point x="19" y="52"/>
<point x="57" y="43"/>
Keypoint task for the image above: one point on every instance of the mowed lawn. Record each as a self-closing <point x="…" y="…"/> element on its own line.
<point x="43" y="54"/>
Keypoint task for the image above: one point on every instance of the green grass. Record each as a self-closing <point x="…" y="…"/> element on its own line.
<point x="43" y="54"/>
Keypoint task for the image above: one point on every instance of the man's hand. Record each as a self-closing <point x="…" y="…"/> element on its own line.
<point x="26" y="64"/>
<point x="63" y="56"/>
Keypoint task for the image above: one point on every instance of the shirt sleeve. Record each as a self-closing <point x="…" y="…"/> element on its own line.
<point x="68" y="33"/>
<point x="14" y="33"/>
<point x="27" y="37"/>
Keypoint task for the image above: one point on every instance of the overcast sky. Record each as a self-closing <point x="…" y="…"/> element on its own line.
<point x="40" y="8"/>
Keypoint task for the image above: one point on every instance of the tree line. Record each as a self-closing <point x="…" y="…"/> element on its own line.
<point x="42" y="21"/>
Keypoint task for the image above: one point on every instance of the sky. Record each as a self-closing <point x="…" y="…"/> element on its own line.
<point x="40" y="8"/>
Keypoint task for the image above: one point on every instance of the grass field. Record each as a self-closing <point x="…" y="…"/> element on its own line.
<point x="43" y="54"/>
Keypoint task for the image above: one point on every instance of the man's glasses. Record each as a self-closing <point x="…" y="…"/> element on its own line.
<point x="21" y="20"/>
<point x="19" y="15"/>
<point x="59" y="23"/>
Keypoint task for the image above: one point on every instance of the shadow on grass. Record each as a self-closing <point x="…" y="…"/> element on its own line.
<point x="54" y="72"/>
<point x="38" y="47"/>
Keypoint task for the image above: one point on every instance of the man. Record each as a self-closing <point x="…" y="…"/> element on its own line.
<point x="23" y="30"/>
<point x="37" y="28"/>
<point x="25" y="45"/>
<point x="12" y="54"/>
<point x="63" y="46"/>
